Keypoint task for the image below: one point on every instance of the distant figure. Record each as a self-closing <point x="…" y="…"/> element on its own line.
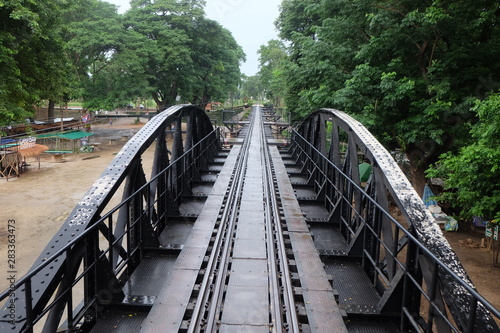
<point x="111" y="121"/>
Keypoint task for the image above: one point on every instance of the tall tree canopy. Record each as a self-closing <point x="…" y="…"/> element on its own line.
<point x="406" y="69"/>
<point x="471" y="174"/>
<point x="33" y="65"/>
<point x="182" y="53"/>
<point x="252" y="88"/>
<point x="165" y="49"/>
<point x="94" y="36"/>
<point x="216" y="57"/>
<point x="272" y="61"/>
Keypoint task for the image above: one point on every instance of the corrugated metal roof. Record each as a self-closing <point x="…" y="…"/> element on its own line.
<point x="75" y="135"/>
<point x="69" y="135"/>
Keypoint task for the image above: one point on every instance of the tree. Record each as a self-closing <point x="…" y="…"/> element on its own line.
<point x="161" y="51"/>
<point x="252" y="88"/>
<point x="272" y="59"/>
<point x="33" y="65"/>
<point x="216" y="58"/>
<point x="94" y="35"/>
<point x="180" y="53"/>
<point x="296" y="23"/>
<point x="406" y="69"/>
<point x="471" y="174"/>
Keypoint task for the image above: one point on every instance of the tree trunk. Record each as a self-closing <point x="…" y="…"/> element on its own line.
<point x="51" y="112"/>
<point x="418" y="179"/>
<point x="418" y="162"/>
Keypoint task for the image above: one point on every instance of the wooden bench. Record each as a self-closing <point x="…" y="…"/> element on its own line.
<point x="57" y="155"/>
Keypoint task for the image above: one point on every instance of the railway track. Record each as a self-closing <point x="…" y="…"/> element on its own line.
<point x="217" y="275"/>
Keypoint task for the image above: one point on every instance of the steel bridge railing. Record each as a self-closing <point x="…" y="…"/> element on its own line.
<point x="409" y="262"/>
<point x="93" y="266"/>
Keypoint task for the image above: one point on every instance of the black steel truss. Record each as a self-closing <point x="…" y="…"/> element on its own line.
<point x="410" y="262"/>
<point x="98" y="247"/>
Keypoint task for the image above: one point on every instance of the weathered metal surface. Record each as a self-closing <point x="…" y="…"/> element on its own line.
<point x="121" y="321"/>
<point x="372" y="233"/>
<point x="321" y="307"/>
<point x="249" y="272"/>
<point x="147" y="279"/>
<point x="255" y="310"/>
<point x="168" y="312"/>
<point x="51" y="269"/>
<point x="356" y="292"/>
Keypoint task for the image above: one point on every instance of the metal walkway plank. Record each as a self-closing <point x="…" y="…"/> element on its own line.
<point x="255" y="310"/>
<point x="168" y="311"/>
<point x="328" y="239"/>
<point x="175" y="233"/>
<point x="244" y="329"/>
<point x="249" y="272"/>
<point x="119" y="321"/>
<point x="147" y="279"/>
<point x="356" y="292"/>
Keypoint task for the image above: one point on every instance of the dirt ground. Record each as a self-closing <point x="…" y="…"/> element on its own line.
<point x="40" y="200"/>
<point x="477" y="262"/>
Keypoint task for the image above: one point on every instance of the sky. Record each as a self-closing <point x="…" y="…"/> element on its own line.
<point x="250" y="21"/>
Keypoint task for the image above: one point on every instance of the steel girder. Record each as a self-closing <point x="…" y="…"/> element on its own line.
<point x="330" y="145"/>
<point x="128" y="228"/>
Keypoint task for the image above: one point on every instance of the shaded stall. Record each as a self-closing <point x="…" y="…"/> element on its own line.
<point x="32" y="152"/>
<point x="75" y="138"/>
<point x="65" y="141"/>
<point x="14" y="155"/>
<point x="9" y="159"/>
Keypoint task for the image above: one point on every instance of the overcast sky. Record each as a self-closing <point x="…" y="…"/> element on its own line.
<point x="250" y="21"/>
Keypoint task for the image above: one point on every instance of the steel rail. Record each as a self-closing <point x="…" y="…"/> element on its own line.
<point x="276" y="304"/>
<point x="206" y="309"/>
<point x="215" y="306"/>
<point x="276" y="247"/>
<point x="286" y="304"/>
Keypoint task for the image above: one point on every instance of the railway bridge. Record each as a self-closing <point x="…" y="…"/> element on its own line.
<point x="246" y="235"/>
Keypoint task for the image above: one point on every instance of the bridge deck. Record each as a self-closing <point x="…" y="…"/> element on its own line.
<point x="170" y="281"/>
<point x="161" y="294"/>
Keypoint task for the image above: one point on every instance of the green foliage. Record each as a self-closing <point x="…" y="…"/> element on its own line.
<point x="181" y="53"/>
<point x="272" y="58"/>
<point x="216" y="58"/>
<point x="252" y="88"/>
<point x="94" y="36"/>
<point x="60" y="50"/>
<point x="406" y="69"/>
<point x="471" y="175"/>
<point x="33" y="65"/>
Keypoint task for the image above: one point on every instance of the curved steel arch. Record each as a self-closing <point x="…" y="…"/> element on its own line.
<point x="322" y="137"/>
<point x="77" y="241"/>
<point x="397" y="184"/>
